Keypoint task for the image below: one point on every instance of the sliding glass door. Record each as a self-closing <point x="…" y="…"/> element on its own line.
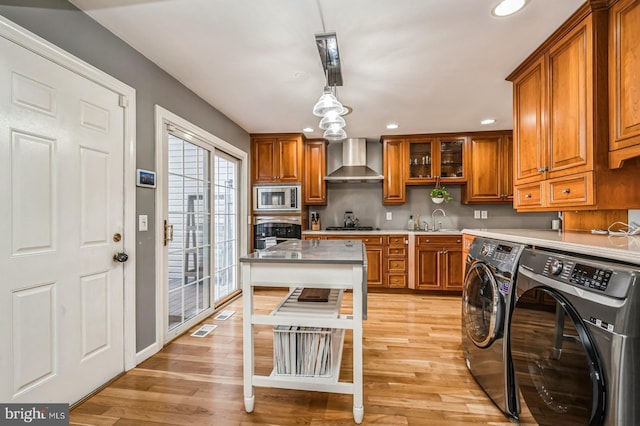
<point x="201" y="236"/>
<point x="226" y="221"/>
<point x="188" y="230"/>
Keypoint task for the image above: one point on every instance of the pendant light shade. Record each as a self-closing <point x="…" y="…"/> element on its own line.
<point x="327" y="103"/>
<point x="332" y="119"/>
<point x="335" y="133"/>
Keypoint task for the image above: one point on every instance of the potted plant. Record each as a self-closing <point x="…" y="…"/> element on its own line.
<point x="439" y="194"/>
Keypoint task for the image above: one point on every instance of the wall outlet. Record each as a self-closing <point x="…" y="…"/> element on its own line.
<point x="389" y="215"/>
<point x="476" y="214"/>
<point x="484" y="214"/>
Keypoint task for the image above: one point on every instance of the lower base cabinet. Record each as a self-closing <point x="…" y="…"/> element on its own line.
<point x="438" y="263"/>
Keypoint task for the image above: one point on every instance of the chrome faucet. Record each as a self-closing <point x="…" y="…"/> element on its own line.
<point x="433" y="218"/>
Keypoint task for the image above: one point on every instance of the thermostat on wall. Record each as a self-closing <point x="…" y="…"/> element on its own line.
<point x="146" y="178"/>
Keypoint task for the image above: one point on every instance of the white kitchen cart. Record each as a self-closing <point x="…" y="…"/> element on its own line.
<point x="336" y="265"/>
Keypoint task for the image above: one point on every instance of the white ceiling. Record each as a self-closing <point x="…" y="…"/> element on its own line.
<point x="428" y="65"/>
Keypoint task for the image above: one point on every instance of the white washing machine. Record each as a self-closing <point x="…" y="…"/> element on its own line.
<point x="486" y="307"/>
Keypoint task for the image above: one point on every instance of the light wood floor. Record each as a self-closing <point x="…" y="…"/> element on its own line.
<point x="414" y="374"/>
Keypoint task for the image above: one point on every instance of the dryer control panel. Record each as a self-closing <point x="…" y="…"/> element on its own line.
<point x="596" y="275"/>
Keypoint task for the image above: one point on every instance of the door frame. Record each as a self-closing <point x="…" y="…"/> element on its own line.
<point x="36" y="44"/>
<point x="164" y="117"/>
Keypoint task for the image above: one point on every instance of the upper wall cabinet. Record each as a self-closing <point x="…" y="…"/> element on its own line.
<point x="393" y="161"/>
<point x="315" y="170"/>
<point x="276" y="158"/>
<point x="561" y="122"/>
<point x="433" y="156"/>
<point x="490" y="179"/>
<point x="624" y="81"/>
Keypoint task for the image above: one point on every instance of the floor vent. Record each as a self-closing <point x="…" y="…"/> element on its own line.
<point x="204" y="330"/>
<point x="224" y="315"/>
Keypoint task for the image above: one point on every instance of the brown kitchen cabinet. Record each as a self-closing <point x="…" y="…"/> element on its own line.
<point x="554" y="110"/>
<point x="490" y="179"/>
<point x="374" y="245"/>
<point x="560" y="133"/>
<point x="276" y="158"/>
<point x="393" y="160"/>
<point x="396" y="261"/>
<point x="467" y="240"/>
<point x="431" y="156"/>
<point x="438" y="263"/>
<point x="315" y="170"/>
<point x="624" y="85"/>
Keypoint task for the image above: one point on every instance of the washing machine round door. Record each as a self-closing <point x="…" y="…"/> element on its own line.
<point x="555" y="360"/>
<point x="482" y="306"/>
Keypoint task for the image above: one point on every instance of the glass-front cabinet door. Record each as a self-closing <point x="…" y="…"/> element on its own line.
<point x="430" y="158"/>
<point x="420" y="161"/>
<point x="451" y="159"/>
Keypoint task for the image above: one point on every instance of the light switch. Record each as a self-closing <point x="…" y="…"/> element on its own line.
<point x="476" y="214"/>
<point x="389" y="215"/>
<point x="484" y="214"/>
<point x="143" y="223"/>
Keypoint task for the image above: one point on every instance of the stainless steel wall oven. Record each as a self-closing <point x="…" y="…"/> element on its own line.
<point x="268" y="230"/>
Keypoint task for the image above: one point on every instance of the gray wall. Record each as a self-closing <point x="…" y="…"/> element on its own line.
<point x="62" y="24"/>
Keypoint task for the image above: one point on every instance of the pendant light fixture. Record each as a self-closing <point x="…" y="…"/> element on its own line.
<point x="328" y="103"/>
<point x="328" y="106"/>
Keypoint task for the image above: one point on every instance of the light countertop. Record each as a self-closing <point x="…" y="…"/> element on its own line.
<point x="624" y="249"/>
<point x="385" y="232"/>
<point x="310" y="251"/>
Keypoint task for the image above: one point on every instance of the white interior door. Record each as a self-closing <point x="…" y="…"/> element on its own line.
<point x="61" y="206"/>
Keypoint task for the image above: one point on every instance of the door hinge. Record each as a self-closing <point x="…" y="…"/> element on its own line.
<point x="123" y="101"/>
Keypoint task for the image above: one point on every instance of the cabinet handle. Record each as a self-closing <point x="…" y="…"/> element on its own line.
<point x="527" y="195"/>
<point x="396" y="251"/>
<point x="366" y="240"/>
<point x="459" y="240"/>
<point x="543" y="169"/>
<point x="566" y="191"/>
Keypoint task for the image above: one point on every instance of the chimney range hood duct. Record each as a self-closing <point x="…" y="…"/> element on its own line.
<point x="354" y="164"/>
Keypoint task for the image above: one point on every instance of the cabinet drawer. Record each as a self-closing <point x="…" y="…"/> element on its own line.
<point x="573" y="190"/>
<point x="369" y="240"/>
<point x="396" y="240"/>
<point x="396" y="280"/>
<point x="528" y="195"/>
<point x="430" y="240"/>
<point x="397" y="251"/>
<point x="396" y="265"/>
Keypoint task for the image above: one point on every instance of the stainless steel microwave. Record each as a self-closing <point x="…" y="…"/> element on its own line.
<point x="277" y="198"/>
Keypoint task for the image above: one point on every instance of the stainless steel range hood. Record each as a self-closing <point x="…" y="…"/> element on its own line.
<point x="354" y="164"/>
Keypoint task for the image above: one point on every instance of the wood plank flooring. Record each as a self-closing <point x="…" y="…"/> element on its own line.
<point x="414" y="374"/>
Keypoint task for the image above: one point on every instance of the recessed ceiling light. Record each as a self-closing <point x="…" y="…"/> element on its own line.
<point x="508" y="7"/>
<point x="392" y="126"/>
<point x="487" y="121"/>
<point x="307" y="130"/>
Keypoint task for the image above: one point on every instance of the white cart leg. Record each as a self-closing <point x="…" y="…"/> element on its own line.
<point x="358" y="414"/>
<point x="250" y="402"/>
<point x="247" y="332"/>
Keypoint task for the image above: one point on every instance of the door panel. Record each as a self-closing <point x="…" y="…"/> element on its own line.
<point x="61" y="185"/>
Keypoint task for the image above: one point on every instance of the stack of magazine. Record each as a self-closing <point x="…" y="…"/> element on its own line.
<point x="302" y="351"/>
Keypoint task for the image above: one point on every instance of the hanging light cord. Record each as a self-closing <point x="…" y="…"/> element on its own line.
<point x="321" y="16"/>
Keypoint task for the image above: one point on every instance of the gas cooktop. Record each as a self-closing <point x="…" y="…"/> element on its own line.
<point x="349" y="228"/>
